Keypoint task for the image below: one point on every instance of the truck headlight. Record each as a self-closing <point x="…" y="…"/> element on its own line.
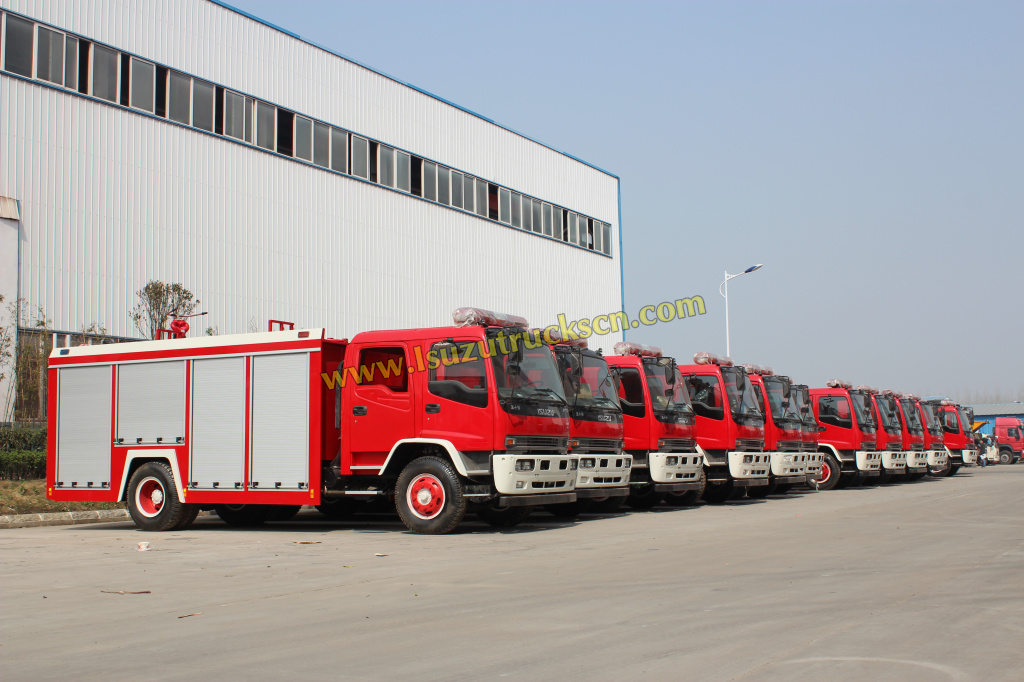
<point x="588" y="463"/>
<point x="671" y="461"/>
<point x="748" y="459"/>
<point x="628" y="462"/>
<point x="524" y="465"/>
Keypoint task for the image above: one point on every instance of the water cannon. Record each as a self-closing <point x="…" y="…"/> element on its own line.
<point x="478" y="317"/>
<point x="838" y="383"/>
<point x="641" y="349"/>
<point x="703" y="358"/>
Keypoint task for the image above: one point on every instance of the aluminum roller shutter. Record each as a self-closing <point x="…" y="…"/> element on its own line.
<point x="151" y="402"/>
<point x="217" y="437"/>
<point x="83" y="427"/>
<point x="280" y="422"/>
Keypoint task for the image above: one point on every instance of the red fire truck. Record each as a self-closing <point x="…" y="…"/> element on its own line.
<point x="595" y="429"/>
<point x="889" y="436"/>
<point x="470" y="416"/>
<point x="913" y="435"/>
<point x="783" y="432"/>
<point x="730" y="427"/>
<point x="938" y="458"/>
<point x="1008" y="435"/>
<point x="957" y="437"/>
<point x="659" y="430"/>
<point x="800" y="406"/>
<point x="848" y="438"/>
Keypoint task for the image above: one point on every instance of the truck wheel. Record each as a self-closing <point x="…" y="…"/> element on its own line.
<point x="153" y="500"/>
<point x="606" y="505"/>
<point x="884" y="478"/>
<point x="191" y="512"/>
<point x="830" y="472"/>
<point x="942" y="471"/>
<point x="282" y="512"/>
<point x="953" y="468"/>
<point x="783" y="488"/>
<point x="339" y="507"/>
<point x="243" y="514"/>
<point x="503" y="517"/>
<point x="644" y="497"/>
<point x="688" y="498"/>
<point x="569" y="510"/>
<point x="428" y="496"/>
<point x="1006" y="457"/>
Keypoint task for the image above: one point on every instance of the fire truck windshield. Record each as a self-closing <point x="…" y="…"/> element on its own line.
<point x="862" y="408"/>
<point x="931" y="418"/>
<point x="910" y="415"/>
<point x="742" y="401"/>
<point x="966" y="423"/>
<point x="889" y="414"/>
<point x="586" y="379"/>
<point x="780" y="398"/>
<point x="666" y="396"/>
<point x="800" y="408"/>
<point x="532" y="377"/>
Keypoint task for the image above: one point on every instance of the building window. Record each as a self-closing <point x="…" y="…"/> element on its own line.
<point x="606" y="239"/>
<point x="71" y="63"/>
<point x="504" y="205"/>
<point x="179" y="97"/>
<point x="457" y="180"/>
<point x="572" y="228"/>
<point x="517" y="210"/>
<point x="481" y="198"/>
<point x="599" y="238"/>
<point x="430" y="180"/>
<point x="202" y="105"/>
<point x="582" y="241"/>
<point x="443" y="185"/>
<point x="237" y="116"/>
<point x="143" y="85"/>
<point x="548" y="228"/>
<point x="321" y="144"/>
<point x="50" y="56"/>
<point x="339" y="150"/>
<point x="303" y="138"/>
<point x="538" y="218"/>
<point x="266" y="126"/>
<point x="105" y="73"/>
<point x="467" y="192"/>
<point x="18" y="46"/>
<point x="403" y="171"/>
<point x="386" y="166"/>
<point x="360" y="157"/>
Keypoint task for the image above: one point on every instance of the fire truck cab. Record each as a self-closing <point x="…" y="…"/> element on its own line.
<point x="913" y="435"/>
<point x="445" y="419"/>
<point x="957" y="437"/>
<point x="847" y="436"/>
<point x="783" y="431"/>
<point x="934" y="448"/>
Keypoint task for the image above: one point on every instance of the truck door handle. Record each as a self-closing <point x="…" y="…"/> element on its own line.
<point x="433" y="408"/>
<point x="359" y="410"/>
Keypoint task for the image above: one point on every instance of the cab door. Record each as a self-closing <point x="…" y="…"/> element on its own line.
<point x="378" y="405"/>
<point x="457" y="401"/>
<point x="635" y="423"/>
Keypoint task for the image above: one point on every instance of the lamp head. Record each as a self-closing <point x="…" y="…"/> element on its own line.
<point x="752" y="268"/>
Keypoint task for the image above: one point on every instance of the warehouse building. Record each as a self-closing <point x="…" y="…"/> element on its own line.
<point x="186" y="141"/>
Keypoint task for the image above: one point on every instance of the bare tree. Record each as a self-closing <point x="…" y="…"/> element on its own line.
<point x="158" y="302"/>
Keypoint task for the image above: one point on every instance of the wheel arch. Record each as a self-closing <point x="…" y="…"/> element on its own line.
<point x="136" y="458"/>
<point x="408" y="449"/>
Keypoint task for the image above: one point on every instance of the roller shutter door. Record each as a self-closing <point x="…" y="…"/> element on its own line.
<point x="280" y="422"/>
<point x="218" y="424"/>
<point x="83" y="427"/>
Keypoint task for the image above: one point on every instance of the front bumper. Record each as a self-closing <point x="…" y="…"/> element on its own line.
<point x="551" y="473"/>
<point x="868" y="460"/>
<point x="675" y="467"/>
<point x="970" y="457"/>
<point x="788" y="464"/>
<point x="937" y="458"/>
<point x="917" y="461"/>
<point x="749" y="465"/>
<point x="812" y="466"/>
<point x="609" y="471"/>
<point x="894" y="460"/>
<point x="587" y="493"/>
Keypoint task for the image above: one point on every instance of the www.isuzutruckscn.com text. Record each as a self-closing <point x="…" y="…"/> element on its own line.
<point x="503" y="344"/>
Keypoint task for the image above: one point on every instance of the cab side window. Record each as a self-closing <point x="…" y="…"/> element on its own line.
<point x="631" y="392"/>
<point x="383" y="367"/>
<point x="1012" y="433"/>
<point x="834" y="411"/>
<point x="460" y="377"/>
<point x="706" y="396"/>
<point x="949" y="423"/>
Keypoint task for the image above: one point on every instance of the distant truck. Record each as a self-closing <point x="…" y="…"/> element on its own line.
<point x="1008" y="436"/>
<point x="958" y="437"/>
<point x="934" y="447"/>
<point x="783" y="432"/>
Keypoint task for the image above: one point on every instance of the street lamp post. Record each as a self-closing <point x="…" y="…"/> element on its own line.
<point x="724" y="291"/>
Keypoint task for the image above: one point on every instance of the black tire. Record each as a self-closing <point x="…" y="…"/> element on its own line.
<point x="759" y="492"/>
<point x="943" y="471"/>
<point x="717" y="493"/>
<point x="953" y="468"/>
<point x="830" y="472"/>
<point x="243" y="514"/>
<point x="914" y="477"/>
<point x="153" y="499"/>
<point x="340" y="507"/>
<point x="569" y="510"/>
<point x="884" y="478"/>
<point x="689" y="497"/>
<point x="783" y="488"/>
<point x="189" y="517"/>
<point x="282" y="512"/>
<point x="1006" y="457"/>
<point x="428" y="496"/>
<point x="644" y="497"/>
<point x="503" y="517"/>
<point x="607" y="505"/>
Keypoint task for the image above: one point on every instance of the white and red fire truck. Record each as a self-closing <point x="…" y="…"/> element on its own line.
<point x="445" y="420"/>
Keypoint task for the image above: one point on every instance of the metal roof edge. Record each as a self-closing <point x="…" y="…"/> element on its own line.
<point x="292" y="34"/>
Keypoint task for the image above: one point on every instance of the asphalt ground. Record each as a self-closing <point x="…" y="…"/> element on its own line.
<point x="918" y="581"/>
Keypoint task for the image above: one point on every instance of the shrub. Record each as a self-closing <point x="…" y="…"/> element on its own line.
<point x="17" y="465"/>
<point x="22" y="438"/>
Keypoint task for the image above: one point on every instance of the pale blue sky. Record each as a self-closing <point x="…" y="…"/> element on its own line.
<point x="870" y="154"/>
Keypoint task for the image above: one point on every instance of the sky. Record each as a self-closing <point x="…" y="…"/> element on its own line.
<point x="869" y="154"/>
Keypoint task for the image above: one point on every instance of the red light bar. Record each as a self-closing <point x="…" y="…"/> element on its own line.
<point x="630" y="348"/>
<point x="838" y="383"/>
<point x="478" y="317"/>
<point x="702" y="358"/>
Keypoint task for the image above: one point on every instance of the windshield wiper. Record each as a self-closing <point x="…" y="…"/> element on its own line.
<point x="548" y="392"/>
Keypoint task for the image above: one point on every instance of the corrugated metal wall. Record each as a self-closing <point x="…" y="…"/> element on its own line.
<point x="111" y="199"/>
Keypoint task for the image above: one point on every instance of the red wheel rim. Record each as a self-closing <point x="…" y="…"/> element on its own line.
<point x="425" y="496"/>
<point x="150" y="496"/>
<point x="826" y="471"/>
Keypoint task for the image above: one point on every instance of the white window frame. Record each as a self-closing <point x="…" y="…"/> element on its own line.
<point x="213" y="105"/>
<point x="295" y="138"/>
<point x="256" y="125"/>
<point x="573" y="221"/>
<point x="248" y="104"/>
<point x="167" y="96"/>
<point x="351" y="157"/>
<point x="383" y="149"/>
<point x="92" y="73"/>
<point x="503" y="215"/>
<point x="348" y="162"/>
<point x="407" y="188"/>
<point x="131" y="82"/>
<point x="451" y="188"/>
<point x="313" y="148"/>
<point x="36" y="28"/>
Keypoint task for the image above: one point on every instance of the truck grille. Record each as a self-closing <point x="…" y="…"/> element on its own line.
<point x="810" y="447"/>
<point x="678" y="445"/>
<point x="868" y="446"/>
<point x="894" y="446"/>
<point x="749" y="445"/>
<point x="587" y="445"/>
<point x="542" y="444"/>
<point x="917" y="447"/>
<point x="790" y="446"/>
